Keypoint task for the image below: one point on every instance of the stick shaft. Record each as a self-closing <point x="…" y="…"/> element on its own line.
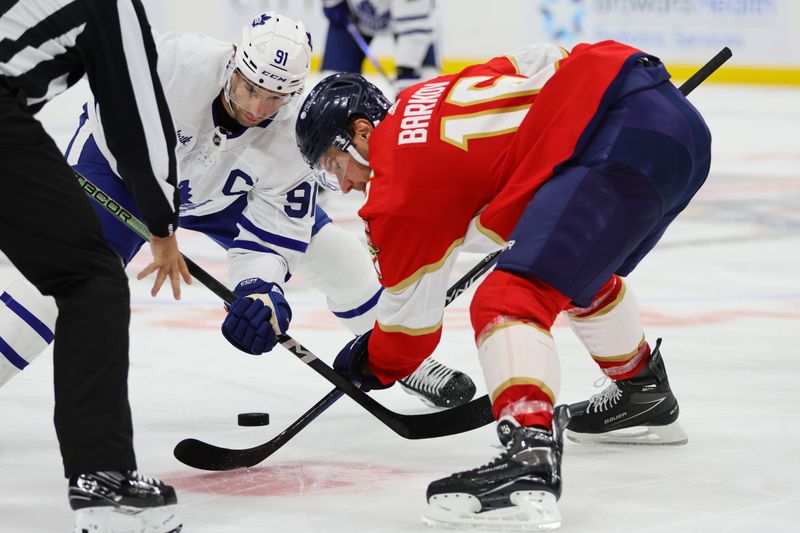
<point x="362" y="44"/>
<point x="705" y="71"/>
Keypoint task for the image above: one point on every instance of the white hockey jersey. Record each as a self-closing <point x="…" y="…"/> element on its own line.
<point x="216" y="169"/>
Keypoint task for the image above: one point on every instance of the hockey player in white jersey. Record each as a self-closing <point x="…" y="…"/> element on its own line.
<point x="412" y="24"/>
<point x="244" y="184"/>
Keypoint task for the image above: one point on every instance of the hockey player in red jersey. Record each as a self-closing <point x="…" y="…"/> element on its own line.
<point x="575" y="163"/>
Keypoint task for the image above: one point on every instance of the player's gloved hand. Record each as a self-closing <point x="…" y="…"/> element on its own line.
<point x="406" y="77"/>
<point x="338" y="13"/>
<point x="352" y="364"/>
<point x="258" y="315"/>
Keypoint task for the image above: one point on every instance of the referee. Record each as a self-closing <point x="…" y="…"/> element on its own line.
<point x="50" y="232"/>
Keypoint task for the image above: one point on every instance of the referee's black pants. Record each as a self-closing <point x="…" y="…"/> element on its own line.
<point x="50" y="232"/>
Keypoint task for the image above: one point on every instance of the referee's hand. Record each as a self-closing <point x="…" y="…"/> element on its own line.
<point x="167" y="263"/>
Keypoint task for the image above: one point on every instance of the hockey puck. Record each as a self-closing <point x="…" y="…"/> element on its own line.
<point x="253" y="419"/>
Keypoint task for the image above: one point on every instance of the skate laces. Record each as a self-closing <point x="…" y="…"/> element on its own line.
<point x="606" y="399"/>
<point x="501" y="454"/>
<point x="519" y="433"/>
<point x="506" y="429"/>
<point x="430" y="377"/>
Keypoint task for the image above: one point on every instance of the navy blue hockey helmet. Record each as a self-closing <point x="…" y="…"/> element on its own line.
<point x="328" y="110"/>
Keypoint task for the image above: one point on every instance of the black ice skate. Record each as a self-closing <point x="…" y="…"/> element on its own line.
<point x="122" y="502"/>
<point x="438" y="385"/>
<point x="631" y="411"/>
<point x="517" y="490"/>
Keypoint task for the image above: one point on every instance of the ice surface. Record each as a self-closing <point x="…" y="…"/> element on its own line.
<point x="721" y="289"/>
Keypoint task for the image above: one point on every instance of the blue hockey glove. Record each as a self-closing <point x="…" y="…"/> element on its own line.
<point x="338" y="13"/>
<point x="258" y="315"/>
<point x="352" y="364"/>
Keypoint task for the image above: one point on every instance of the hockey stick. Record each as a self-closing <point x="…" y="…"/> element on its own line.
<point x="465" y="417"/>
<point x="362" y="44"/>
<point x="705" y="71"/>
<point x="204" y="456"/>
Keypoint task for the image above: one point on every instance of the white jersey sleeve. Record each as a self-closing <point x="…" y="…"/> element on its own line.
<point x="538" y="59"/>
<point x="192" y="69"/>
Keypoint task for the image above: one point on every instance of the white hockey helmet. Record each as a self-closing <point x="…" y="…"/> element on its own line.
<point x="274" y="52"/>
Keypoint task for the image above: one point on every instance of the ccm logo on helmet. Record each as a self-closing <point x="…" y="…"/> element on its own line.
<point x="272" y="76"/>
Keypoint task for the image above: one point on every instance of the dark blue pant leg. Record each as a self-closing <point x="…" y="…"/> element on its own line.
<point x="605" y="210"/>
<point x="93" y="166"/>
<point x="342" y="54"/>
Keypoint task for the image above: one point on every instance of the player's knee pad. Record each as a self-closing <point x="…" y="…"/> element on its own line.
<point x="339" y="266"/>
<point x="611" y="330"/>
<point x="27" y="325"/>
<point x="505" y="294"/>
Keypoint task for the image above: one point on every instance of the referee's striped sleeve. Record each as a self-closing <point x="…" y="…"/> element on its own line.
<point x="133" y="110"/>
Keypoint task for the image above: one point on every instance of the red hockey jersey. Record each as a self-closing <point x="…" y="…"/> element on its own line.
<point x="455" y="162"/>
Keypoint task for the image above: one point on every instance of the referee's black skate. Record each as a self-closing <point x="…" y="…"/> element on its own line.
<point x="122" y="502"/>
<point x="517" y="490"/>
<point x="438" y="385"/>
<point x="641" y="410"/>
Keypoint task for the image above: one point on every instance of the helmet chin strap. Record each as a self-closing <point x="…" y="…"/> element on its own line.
<point x="353" y="152"/>
<point x="352" y="149"/>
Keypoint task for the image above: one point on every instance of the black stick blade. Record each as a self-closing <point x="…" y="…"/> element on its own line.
<point x="204" y="456"/>
<point x="467" y="417"/>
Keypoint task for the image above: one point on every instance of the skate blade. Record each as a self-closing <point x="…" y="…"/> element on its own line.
<point x="127" y="520"/>
<point x="669" y="435"/>
<point x="531" y="511"/>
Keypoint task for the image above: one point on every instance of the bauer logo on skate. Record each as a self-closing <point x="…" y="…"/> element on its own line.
<point x="417" y="113"/>
<point x="614" y="418"/>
